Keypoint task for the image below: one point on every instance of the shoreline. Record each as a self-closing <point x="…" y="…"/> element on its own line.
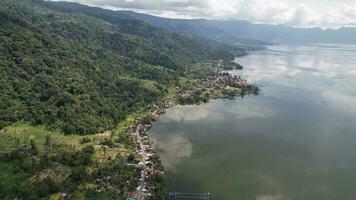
<point x="219" y="86"/>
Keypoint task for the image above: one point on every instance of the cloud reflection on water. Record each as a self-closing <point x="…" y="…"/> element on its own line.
<point x="172" y="148"/>
<point x="190" y="113"/>
<point x="342" y="102"/>
<point x="300" y="128"/>
<point x="248" y="109"/>
<point x="280" y="65"/>
<point x="272" y="197"/>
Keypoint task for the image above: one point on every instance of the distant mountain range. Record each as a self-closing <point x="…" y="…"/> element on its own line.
<point x="247" y="32"/>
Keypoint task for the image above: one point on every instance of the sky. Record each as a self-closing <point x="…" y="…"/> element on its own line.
<point x="297" y="13"/>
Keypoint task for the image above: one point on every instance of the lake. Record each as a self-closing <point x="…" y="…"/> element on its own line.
<point x="295" y="141"/>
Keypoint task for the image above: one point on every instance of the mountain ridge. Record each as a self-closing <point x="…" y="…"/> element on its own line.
<point x="245" y="30"/>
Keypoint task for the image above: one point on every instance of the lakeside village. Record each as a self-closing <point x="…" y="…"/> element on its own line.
<point x="123" y="162"/>
<point x="219" y="85"/>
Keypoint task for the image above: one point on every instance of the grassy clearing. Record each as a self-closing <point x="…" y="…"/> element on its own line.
<point x="62" y="167"/>
<point x="20" y="135"/>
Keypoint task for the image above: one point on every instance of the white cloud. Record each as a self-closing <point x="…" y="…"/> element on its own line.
<point x="297" y="13"/>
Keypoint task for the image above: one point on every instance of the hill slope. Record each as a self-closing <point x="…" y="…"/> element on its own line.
<point x="197" y="27"/>
<point x="83" y="69"/>
<point x="73" y="69"/>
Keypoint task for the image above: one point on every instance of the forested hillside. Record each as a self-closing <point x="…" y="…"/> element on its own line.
<point x="82" y="70"/>
<point x="74" y="80"/>
<point x="199" y="27"/>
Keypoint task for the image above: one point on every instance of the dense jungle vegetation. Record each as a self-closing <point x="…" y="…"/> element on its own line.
<point x="69" y="71"/>
<point x="82" y="70"/>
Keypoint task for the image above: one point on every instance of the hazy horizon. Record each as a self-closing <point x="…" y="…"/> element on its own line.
<point x="306" y="14"/>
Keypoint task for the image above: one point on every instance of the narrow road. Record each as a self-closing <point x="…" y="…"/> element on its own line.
<point x="140" y="195"/>
<point x="142" y="185"/>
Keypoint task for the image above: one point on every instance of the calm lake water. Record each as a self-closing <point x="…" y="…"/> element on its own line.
<point x="295" y="141"/>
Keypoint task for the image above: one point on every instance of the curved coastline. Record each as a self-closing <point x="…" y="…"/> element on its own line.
<point x="220" y="85"/>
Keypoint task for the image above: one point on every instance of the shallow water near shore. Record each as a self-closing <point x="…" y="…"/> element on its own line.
<point x="295" y="141"/>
